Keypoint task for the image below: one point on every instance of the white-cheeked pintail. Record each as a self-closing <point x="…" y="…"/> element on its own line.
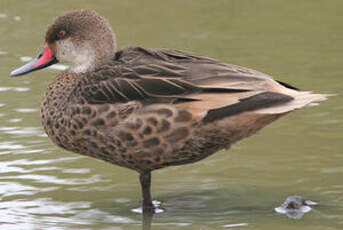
<point x="145" y="109"/>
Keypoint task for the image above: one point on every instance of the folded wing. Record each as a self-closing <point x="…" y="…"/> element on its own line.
<point x="207" y="88"/>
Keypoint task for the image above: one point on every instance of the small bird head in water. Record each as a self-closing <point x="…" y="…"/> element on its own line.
<point x="295" y="206"/>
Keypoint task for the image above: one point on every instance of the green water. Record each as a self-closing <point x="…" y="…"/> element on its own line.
<point x="300" y="42"/>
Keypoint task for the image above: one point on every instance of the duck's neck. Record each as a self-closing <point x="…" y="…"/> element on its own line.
<point x="88" y="59"/>
<point x="84" y="61"/>
<point x="86" y="56"/>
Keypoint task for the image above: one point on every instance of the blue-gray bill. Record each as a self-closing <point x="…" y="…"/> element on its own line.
<point x="44" y="59"/>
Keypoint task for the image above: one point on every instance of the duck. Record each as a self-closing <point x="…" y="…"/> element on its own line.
<point x="146" y="109"/>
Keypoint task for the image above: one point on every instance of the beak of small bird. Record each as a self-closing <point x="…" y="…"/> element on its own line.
<point x="44" y="59"/>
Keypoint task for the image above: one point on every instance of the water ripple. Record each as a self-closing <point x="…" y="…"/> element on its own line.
<point x="44" y="213"/>
<point x="15" y="120"/>
<point x="25" y="59"/>
<point x="55" y="180"/>
<point x="17" y="18"/>
<point x="26" y="110"/>
<point x="2" y="15"/>
<point x="235" y="225"/>
<point x="16" y="89"/>
<point x="22" y="131"/>
<point x="10" y="145"/>
<point x="15" y="189"/>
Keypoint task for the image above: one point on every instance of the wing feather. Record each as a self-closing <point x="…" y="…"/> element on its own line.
<point x="168" y="76"/>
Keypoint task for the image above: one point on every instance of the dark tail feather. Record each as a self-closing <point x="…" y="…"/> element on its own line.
<point x="262" y="100"/>
<point x="287" y="85"/>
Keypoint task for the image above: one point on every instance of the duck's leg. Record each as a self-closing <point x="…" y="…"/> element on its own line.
<point x="145" y="179"/>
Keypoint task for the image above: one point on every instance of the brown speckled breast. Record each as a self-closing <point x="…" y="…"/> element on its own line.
<point x="125" y="134"/>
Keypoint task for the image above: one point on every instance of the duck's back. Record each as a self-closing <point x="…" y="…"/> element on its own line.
<point x="170" y="76"/>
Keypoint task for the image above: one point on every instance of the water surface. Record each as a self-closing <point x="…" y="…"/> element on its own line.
<point x="44" y="187"/>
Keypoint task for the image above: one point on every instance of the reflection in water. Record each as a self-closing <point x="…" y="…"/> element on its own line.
<point x="58" y="67"/>
<point x="147" y="220"/>
<point x="15" y="120"/>
<point x="18" y="89"/>
<point x="2" y="15"/>
<point x="20" y="213"/>
<point x="147" y="215"/>
<point x="17" y="18"/>
<point x="157" y="209"/>
<point x="21" y="131"/>
<point x="235" y="225"/>
<point x="25" y="59"/>
<point x="26" y="110"/>
<point x="43" y="187"/>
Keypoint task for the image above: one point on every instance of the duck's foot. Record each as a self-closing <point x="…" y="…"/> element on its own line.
<point x="154" y="209"/>
<point x="148" y="205"/>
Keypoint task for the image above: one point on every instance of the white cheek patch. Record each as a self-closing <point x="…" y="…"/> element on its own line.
<point x="80" y="57"/>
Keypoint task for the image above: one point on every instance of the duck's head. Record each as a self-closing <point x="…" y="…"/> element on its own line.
<point x="81" y="38"/>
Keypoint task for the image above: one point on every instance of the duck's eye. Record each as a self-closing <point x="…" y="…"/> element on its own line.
<point x="61" y="34"/>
